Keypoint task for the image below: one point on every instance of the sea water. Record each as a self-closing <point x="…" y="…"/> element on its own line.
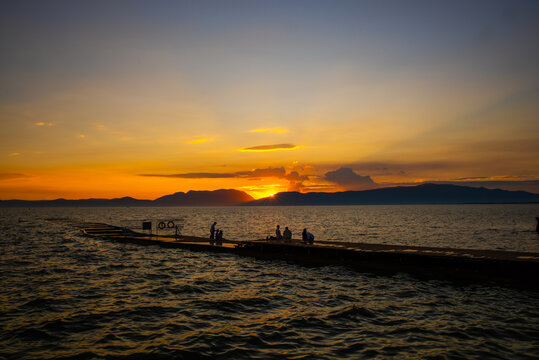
<point x="69" y="296"/>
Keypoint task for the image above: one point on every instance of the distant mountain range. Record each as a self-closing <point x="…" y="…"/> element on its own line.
<point x="192" y="198"/>
<point x="204" y="198"/>
<point x="421" y="194"/>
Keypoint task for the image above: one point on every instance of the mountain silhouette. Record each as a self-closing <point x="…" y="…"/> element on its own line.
<point x="223" y="197"/>
<point x="421" y="194"/>
<point x="192" y="198"/>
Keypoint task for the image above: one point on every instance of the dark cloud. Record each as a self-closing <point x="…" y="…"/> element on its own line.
<point x="193" y="175"/>
<point x="296" y="181"/>
<point x="348" y="178"/>
<point x="390" y="168"/>
<point x="295" y="176"/>
<point x="256" y="173"/>
<point x="260" y="173"/>
<point x="270" y="147"/>
<point x="472" y="178"/>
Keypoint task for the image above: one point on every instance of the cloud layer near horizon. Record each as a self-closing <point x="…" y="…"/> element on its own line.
<point x="346" y="178"/>
<point x="256" y="173"/>
<point x="295" y="179"/>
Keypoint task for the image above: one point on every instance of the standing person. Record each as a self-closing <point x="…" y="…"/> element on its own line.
<point x="212" y="231"/>
<point x="278" y="235"/>
<point x="216" y="236"/>
<point x="304" y="236"/>
<point x="287" y="234"/>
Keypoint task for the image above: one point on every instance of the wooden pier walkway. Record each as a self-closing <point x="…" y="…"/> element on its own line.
<point x="515" y="268"/>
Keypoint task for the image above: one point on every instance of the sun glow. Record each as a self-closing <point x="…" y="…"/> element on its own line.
<point x="263" y="190"/>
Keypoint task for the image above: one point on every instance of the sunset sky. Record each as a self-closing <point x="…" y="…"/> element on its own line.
<point x="147" y="98"/>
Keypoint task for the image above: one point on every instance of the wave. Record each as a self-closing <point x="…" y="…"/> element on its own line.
<point x="67" y="296"/>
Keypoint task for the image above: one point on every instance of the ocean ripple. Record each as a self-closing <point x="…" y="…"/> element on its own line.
<point x="66" y="296"/>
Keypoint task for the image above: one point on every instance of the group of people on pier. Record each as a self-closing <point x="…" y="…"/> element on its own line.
<point x="216" y="235"/>
<point x="286" y="236"/>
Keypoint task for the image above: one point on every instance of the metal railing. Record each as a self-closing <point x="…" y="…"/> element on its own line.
<point x="155" y="227"/>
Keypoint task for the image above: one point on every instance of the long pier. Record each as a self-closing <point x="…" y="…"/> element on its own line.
<point x="512" y="268"/>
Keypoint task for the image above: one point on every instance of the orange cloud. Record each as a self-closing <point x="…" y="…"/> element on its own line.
<point x="194" y="175"/>
<point x="255" y="173"/>
<point x="276" y="147"/>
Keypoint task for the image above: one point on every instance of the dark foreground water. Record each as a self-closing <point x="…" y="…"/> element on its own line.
<point x="67" y="296"/>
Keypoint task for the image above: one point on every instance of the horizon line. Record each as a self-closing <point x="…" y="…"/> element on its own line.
<point x="276" y="194"/>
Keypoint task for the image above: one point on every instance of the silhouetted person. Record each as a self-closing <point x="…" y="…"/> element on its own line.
<point x="212" y="231"/>
<point x="310" y="238"/>
<point x="219" y="237"/>
<point x="287" y="234"/>
<point x="307" y="237"/>
<point x="278" y="235"/>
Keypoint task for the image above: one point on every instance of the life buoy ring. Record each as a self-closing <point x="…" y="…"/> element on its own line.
<point x="170" y="224"/>
<point x="161" y="225"/>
